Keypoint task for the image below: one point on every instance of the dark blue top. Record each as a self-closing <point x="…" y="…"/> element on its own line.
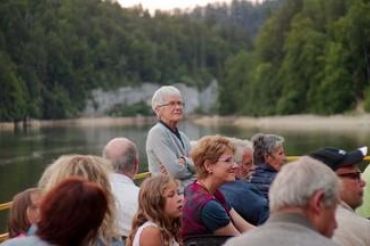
<point x="214" y="216"/>
<point x="247" y="200"/>
<point x="262" y="178"/>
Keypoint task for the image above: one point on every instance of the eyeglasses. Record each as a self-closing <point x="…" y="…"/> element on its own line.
<point x="227" y="160"/>
<point x="173" y="104"/>
<point x="354" y="176"/>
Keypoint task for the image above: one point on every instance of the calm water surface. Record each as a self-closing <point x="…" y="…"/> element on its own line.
<point x="24" y="154"/>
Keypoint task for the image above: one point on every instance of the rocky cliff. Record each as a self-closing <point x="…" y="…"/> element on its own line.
<point x="102" y="102"/>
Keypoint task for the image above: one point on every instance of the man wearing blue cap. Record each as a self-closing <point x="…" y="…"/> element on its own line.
<point x="352" y="228"/>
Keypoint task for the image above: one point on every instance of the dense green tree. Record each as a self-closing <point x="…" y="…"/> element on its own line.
<point x="299" y="71"/>
<point x="12" y="93"/>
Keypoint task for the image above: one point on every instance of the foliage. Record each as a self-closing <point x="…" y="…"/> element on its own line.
<point x="53" y="53"/>
<point x="276" y="57"/>
<point x="140" y="108"/>
<point x="310" y="56"/>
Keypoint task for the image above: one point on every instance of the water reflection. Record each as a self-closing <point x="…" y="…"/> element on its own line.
<point x="24" y="155"/>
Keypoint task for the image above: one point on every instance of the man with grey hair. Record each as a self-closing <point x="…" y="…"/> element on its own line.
<point x="303" y="200"/>
<point x="124" y="157"/>
<point x="243" y="196"/>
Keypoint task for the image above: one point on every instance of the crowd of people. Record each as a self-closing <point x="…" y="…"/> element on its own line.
<point x="217" y="190"/>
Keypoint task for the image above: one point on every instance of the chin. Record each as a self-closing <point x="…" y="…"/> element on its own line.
<point x="229" y="179"/>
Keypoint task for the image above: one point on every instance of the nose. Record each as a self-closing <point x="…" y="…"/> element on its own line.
<point x="180" y="198"/>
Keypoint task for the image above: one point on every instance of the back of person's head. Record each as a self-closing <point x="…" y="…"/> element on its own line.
<point x="72" y="212"/>
<point x="122" y="153"/>
<point x="92" y="168"/>
<point x="160" y="96"/>
<point x="298" y="181"/>
<point x="264" y="145"/>
<point x="152" y="202"/>
<point x="24" y="205"/>
<point x="209" y="149"/>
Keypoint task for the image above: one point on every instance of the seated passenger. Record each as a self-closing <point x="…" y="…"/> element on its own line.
<point x="268" y="157"/>
<point x="243" y="196"/>
<point x="123" y="155"/>
<point x="157" y="221"/>
<point x="206" y="211"/>
<point x="364" y="209"/>
<point x="352" y="228"/>
<point x="70" y="214"/>
<point x="24" y="212"/>
<point x="92" y="168"/>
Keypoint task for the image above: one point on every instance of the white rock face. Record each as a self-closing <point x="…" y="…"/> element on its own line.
<point x="102" y="102"/>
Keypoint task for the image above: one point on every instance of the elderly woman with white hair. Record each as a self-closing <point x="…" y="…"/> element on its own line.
<point x="167" y="148"/>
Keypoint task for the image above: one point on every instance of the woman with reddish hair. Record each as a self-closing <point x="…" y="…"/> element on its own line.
<point x="70" y="214"/>
<point x="206" y="211"/>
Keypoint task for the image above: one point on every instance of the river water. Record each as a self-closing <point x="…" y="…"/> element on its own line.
<point x="24" y="154"/>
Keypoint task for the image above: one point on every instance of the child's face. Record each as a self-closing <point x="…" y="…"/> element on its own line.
<point x="174" y="201"/>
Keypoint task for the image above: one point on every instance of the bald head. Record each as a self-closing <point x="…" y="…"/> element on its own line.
<point x="123" y="154"/>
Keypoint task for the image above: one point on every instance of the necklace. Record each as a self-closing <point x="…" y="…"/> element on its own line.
<point x="201" y="184"/>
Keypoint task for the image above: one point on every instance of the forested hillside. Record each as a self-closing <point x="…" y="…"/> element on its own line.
<point x="54" y="52"/>
<point x="311" y="56"/>
<point x="276" y="57"/>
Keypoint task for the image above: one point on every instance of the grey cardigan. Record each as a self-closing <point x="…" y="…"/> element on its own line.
<point x="163" y="147"/>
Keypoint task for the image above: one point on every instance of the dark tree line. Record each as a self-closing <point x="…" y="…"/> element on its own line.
<point x="277" y="57"/>
<point x="54" y="52"/>
<point x="310" y="56"/>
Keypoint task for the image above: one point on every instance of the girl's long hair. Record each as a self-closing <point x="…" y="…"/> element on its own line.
<point x="151" y="208"/>
<point x="92" y="168"/>
<point x="18" y="222"/>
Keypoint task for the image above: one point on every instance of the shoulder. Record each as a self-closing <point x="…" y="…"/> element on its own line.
<point x="30" y="241"/>
<point x="156" y="131"/>
<point x="280" y="234"/>
<point x="158" y="127"/>
<point x="150" y="235"/>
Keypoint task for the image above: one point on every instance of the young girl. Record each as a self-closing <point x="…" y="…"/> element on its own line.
<point x="23" y="212"/>
<point x="157" y="221"/>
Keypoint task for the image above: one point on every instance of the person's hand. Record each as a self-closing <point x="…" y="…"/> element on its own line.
<point x="162" y="169"/>
<point x="181" y="161"/>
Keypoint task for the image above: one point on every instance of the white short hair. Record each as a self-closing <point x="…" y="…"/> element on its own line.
<point x="241" y="145"/>
<point x="162" y="93"/>
<point x="298" y="181"/>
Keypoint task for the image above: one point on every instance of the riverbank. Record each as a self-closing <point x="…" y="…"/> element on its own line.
<point x="80" y="122"/>
<point x="292" y="122"/>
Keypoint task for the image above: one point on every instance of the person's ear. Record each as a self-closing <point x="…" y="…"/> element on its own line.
<point x="157" y="112"/>
<point x="316" y="201"/>
<point x="137" y="165"/>
<point x="208" y="166"/>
